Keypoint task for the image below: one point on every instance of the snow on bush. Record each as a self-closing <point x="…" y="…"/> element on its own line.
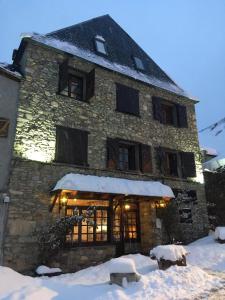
<point x="220" y="233"/>
<point x="46" y="270"/>
<point x="121" y="265"/>
<point x="168" y="252"/>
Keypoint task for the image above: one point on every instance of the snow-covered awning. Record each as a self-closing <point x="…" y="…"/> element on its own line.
<point x="110" y="185"/>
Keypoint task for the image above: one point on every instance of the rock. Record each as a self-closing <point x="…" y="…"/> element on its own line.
<point x="121" y="278"/>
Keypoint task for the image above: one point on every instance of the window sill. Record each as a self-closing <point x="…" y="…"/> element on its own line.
<point x="127" y="113"/>
<point x="71" y="246"/>
<point x="86" y="165"/>
<point x="68" y="97"/>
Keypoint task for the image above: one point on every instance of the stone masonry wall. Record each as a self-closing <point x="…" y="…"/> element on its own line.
<point x="41" y="109"/>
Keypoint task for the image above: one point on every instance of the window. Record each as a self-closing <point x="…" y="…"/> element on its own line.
<point x="171" y="164"/>
<point x="128" y="227"/>
<point x="84" y="232"/>
<point x="176" y="163"/>
<point x="100" y="44"/>
<point x="76" y="84"/>
<point x="4" y="127"/>
<point x="169" y="113"/>
<point x="71" y="146"/>
<point x="128" y="156"/>
<point x="127" y="99"/>
<point x="139" y="63"/>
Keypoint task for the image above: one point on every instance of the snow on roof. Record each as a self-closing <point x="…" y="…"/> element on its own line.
<point x="210" y="151"/>
<point x="97" y="184"/>
<point x="169" y="252"/>
<point x="7" y="68"/>
<point x="104" y="62"/>
<point x="99" y="37"/>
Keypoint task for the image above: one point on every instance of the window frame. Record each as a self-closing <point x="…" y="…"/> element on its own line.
<point x="178" y="163"/>
<point x="99" y="40"/>
<point x="137" y="62"/>
<point x="131" y="146"/>
<point x="79" y="225"/>
<point x="72" y="72"/>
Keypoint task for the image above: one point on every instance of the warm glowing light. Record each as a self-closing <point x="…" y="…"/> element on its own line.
<point x="37" y="155"/>
<point x="64" y="200"/>
<point x="103" y="228"/>
<point x="127" y="206"/>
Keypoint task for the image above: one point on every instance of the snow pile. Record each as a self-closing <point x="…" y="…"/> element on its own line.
<point x="168" y="252"/>
<point x="210" y="151"/>
<point x="121" y="265"/>
<point x="46" y="270"/>
<point x="9" y="70"/>
<point x="100" y="184"/>
<point x="96" y="59"/>
<point x="220" y="233"/>
<point x="207" y="253"/>
<point x="175" y="283"/>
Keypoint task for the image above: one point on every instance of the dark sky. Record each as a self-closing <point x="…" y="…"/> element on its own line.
<point x="185" y="37"/>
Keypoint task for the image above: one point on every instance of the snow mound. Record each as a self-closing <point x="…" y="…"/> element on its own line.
<point x="121" y="265"/>
<point x="168" y="252"/>
<point x="220" y="233"/>
<point x="207" y="254"/>
<point x="11" y="281"/>
<point x="46" y="270"/>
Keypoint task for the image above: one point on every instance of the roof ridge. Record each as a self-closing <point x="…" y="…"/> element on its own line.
<point x="80" y="23"/>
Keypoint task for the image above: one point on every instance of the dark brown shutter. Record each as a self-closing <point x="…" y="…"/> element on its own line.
<point x="112" y="153"/>
<point x="4" y="127"/>
<point x="157" y="109"/>
<point x="90" y="84"/>
<point x="175" y="120"/>
<point x="127" y="99"/>
<point x="132" y="158"/>
<point x="79" y="141"/>
<point x="188" y="164"/>
<point x="145" y="158"/>
<point x="63" y="75"/>
<point x="71" y="145"/>
<point x="161" y="159"/>
<point x="182" y="116"/>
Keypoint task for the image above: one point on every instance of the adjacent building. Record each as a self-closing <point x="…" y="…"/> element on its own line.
<point x="99" y="124"/>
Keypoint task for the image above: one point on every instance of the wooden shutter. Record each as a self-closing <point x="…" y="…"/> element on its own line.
<point x="132" y="158"/>
<point x="79" y="141"/>
<point x="157" y="109"/>
<point x="112" y="153"/>
<point x="188" y="164"/>
<point x="182" y="116"/>
<point x="4" y="127"/>
<point x="127" y="99"/>
<point x="145" y="158"/>
<point x="71" y="145"/>
<point x="90" y="84"/>
<point x="63" y="75"/>
<point x="161" y="159"/>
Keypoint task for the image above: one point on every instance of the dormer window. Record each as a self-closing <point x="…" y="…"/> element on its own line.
<point x="100" y="44"/>
<point x="139" y="63"/>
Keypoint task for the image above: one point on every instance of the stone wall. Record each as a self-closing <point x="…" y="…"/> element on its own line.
<point x="41" y="109"/>
<point x="215" y="196"/>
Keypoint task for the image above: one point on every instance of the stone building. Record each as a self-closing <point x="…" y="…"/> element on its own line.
<point x="99" y="124"/>
<point x="9" y="91"/>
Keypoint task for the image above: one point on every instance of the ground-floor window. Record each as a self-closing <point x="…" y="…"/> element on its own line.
<point x="85" y="232"/>
<point x="114" y="221"/>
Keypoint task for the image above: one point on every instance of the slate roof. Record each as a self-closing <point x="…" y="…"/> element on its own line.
<point x="9" y="70"/>
<point x="79" y="40"/>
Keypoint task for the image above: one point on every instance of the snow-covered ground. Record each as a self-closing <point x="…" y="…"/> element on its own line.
<point x="189" y="282"/>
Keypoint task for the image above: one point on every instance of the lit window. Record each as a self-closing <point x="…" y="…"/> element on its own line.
<point x="138" y="63"/>
<point x="100" y="44"/>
